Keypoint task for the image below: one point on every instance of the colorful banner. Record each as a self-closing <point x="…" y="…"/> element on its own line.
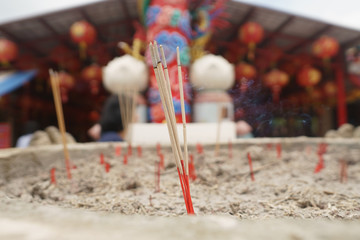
<point x="168" y="23"/>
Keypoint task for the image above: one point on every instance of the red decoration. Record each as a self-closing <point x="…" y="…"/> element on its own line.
<point x="66" y="82"/>
<point x="251" y="33"/>
<point x="274" y="54"/>
<point x="84" y="34"/>
<point x="99" y="54"/>
<point x="308" y="76"/>
<point x="8" y="51"/>
<point x="276" y="80"/>
<point x="244" y="72"/>
<point x="330" y="89"/>
<point x="325" y="47"/>
<point x="92" y="74"/>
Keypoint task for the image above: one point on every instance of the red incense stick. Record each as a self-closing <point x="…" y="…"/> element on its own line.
<point x="139" y="150"/>
<point x="107" y="167"/>
<point x="52" y="175"/>
<point x="278" y="150"/>
<point x="199" y="148"/>
<point x="125" y="161"/>
<point x="192" y="171"/>
<point x="162" y="163"/>
<point x="269" y="146"/>
<point x="118" y="150"/>
<point x="187" y="195"/>
<point x="251" y="168"/>
<point x="320" y="165"/>
<point x="321" y="150"/>
<point x="102" y="161"/>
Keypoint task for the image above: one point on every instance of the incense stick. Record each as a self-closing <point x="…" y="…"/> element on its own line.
<point x="220" y="116"/>
<point x="182" y="111"/>
<point x="54" y="80"/>
<point x="162" y="78"/>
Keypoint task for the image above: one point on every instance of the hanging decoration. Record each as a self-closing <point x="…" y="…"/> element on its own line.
<point x="66" y="83"/>
<point x="325" y="48"/>
<point x="65" y="59"/>
<point x="330" y="92"/>
<point x="251" y="33"/>
<point x="244" y="72"/>
<point x="276" y="80"/>
<point x="84" y="34"/>
<point x="93" y="75"/>
<point x="8" y="51"/>
<point x="308" y="77"/>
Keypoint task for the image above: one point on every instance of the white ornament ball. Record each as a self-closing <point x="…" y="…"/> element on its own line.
<point x="212" y="72"/>
<point x="125" y="72"/>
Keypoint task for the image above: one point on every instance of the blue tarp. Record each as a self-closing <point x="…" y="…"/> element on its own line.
<point x="15" y="80"/>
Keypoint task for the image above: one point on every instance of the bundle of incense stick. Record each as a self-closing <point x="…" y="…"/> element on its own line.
<point x="54" y="79"/>
<point x="127" y="103"/>
<point x="163" y="81"/>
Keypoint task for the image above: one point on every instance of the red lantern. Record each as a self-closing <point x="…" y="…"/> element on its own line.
<point x="325" y="47"/>
<point x="84" y="34"/>
<point x="308" y="76"/>
<point x="8" y="51"/>
<point x="330" y="89"/>
<point x="251" y="33"/>
<point x="276" y="80"/>
<point x="244" y="72"/>
<point x="66" y="82"/>
<point x="92" y="74"/>
<point x="316" y="95"/>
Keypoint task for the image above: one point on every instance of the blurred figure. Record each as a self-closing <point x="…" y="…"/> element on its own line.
<point x="29" y="128"/>
<point x="111" y="125"/>
<point x="243" y="130"/>
<point x="95" y="132"/>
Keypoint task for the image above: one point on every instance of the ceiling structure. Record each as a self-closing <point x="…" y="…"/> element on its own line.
<point x="113" y="21"/>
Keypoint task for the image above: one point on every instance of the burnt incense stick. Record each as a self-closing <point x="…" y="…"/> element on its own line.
<point x="54" y="80"/>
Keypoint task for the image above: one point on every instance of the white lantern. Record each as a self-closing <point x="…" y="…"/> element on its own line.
<point x="212" y="72"/>
<point x="124" y="73"/>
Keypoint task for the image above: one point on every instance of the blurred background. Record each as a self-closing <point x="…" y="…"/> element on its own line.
<point x="295" y="64"/>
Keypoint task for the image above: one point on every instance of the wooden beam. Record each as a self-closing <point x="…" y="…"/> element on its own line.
<point x="62" y="38"/>
<point x="269" y="38"/>
<point x="351" y="43"/>
<point x="21" y="44"/>
<point x="246" y="18"/>
<point x="309" y="40"/>
<point x="127" y="16"/>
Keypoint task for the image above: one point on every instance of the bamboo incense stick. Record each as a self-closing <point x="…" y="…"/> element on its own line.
<point x="54" y="80"/>
<point x="165" y="105"/>
<point x="182" y="111"/>
<point x="220" y="116"/>
<point x="163" y="81"/>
